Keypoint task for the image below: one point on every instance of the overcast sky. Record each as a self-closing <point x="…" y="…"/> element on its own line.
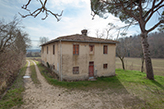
<point x="76" y="16"/>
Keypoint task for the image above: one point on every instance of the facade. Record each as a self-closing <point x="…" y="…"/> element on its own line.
<point x="80" y="57"/>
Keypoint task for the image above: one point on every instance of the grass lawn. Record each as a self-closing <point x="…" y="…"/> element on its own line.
<point x="14" y="95"/>
<point x="150" y="92"/>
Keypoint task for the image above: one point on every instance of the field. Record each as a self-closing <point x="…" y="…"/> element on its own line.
<point x="135" y="64"/>
<point x="128" y="89"/>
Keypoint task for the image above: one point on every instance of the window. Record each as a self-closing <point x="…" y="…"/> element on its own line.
<point x="105" y="49"/>
<point x="47" y="49"/>
<point x="75" y="70"/>
<point x="53" y="66"/>
<point x="42" y="49"/>
<point x="75" y="49"/>
<point x="91" y="49"/>
<point x="53" y="49"/>
<point x="105" y="66"/>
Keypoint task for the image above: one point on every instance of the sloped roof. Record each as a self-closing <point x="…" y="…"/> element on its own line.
<point x="80" y="38"/>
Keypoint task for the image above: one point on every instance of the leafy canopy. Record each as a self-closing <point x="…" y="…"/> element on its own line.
<point x="130" y="11"/>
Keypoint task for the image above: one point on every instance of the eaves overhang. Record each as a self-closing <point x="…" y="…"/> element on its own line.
<point x="82" y="41"/>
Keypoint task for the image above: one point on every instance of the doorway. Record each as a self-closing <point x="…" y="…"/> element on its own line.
<point x="91" y="69"/>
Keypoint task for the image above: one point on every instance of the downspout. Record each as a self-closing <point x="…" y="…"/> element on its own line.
<point x="60" y="60"/>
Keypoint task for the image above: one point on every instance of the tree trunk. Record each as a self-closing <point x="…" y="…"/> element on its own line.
<point x="122" y="60"/>
<point x="146" y="52"/>
<point x="142" y="66"/>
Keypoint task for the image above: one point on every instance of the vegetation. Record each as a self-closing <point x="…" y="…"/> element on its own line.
<point x="121" y="50"/>
<point x="33" y="58"/>
<point x="42" y="9"/>
<point x="135" y="64"/>
<point x="14" y="95"/>
<point x="43" y="40"/>
<point x="33" y="73"/>
<point x="150" y="92"/>
<point x="33" y="54"/>
<point x="134" y="12"/>
<point x="131" y="46"/>
<point x="13" y="44"/>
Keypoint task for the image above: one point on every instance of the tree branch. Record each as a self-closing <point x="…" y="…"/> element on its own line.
<point x="155" y="26"/>
<point x="39" y="10"/>
<point x="153" y="11"/>
<point x="140" y="10"/>
<point x="155" y="6"/>
<point x="128" y="12"/>
<point x="56" y="15"/>
<point x="25" y="6"/>
<point x="159" y="8"/>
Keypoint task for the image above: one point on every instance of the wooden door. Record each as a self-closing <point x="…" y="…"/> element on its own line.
<point x="91" y="69"/>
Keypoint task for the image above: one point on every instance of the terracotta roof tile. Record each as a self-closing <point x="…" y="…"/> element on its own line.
<point x="80" y="38"/>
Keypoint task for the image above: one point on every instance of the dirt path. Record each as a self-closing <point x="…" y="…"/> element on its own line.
<point x="45" y="96"/>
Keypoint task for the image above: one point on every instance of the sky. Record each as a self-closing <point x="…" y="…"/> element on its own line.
<point x="76" y="16"/>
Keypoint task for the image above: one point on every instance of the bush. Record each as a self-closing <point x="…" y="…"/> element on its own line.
<point x="48" y="65"/>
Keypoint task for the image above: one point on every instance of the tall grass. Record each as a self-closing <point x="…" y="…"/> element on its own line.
<point x="14" y="95"/>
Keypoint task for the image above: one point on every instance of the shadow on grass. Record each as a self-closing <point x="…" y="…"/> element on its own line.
<point x="110" y="86"/>
<point x="157" y="84"/>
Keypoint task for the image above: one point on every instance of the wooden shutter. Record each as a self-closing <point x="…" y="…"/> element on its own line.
<point x="105" y="49"/>
<point x="75" y="49"/>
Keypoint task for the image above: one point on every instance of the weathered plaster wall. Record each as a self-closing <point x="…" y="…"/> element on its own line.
<point x="52" y="59"/>
<point x="82" y="60"/>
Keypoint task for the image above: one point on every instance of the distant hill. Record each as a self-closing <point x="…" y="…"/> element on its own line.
<point x="33" y="50"/>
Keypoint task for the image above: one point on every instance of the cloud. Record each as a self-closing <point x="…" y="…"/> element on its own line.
<point x="76" y="16"/>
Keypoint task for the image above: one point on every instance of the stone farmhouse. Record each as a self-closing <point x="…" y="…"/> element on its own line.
<point x="79" y="57"/>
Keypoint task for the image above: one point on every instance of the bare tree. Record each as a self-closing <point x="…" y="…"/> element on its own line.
<point x="7" y="34"/>
<point x="120" y="52"/>
<point x="13" y="43"/>
<point x="106" y="32"/>
<point x="135" y="49"/>
<point x="42" y="9"/>
<point x="122" y="49"/>
<point x="43" y="40"/>
<point x="97" y="33"/>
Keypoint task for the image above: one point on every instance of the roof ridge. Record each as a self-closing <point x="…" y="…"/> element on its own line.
<point x="81" y="38"/>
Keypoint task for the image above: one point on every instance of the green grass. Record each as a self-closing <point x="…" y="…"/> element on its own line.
<point x="149" y="92"/>
<point x="33" y="73"/>
<point x="103" y="82"/>
<point x="13" y="96"/>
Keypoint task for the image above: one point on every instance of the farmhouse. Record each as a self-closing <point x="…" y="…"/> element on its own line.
<point x="80" y="57"/>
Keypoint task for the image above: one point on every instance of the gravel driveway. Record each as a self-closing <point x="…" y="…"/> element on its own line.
<point x="45" y="96"/>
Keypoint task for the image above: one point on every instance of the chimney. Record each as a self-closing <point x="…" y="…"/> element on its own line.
<point x="84" y="32"/>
